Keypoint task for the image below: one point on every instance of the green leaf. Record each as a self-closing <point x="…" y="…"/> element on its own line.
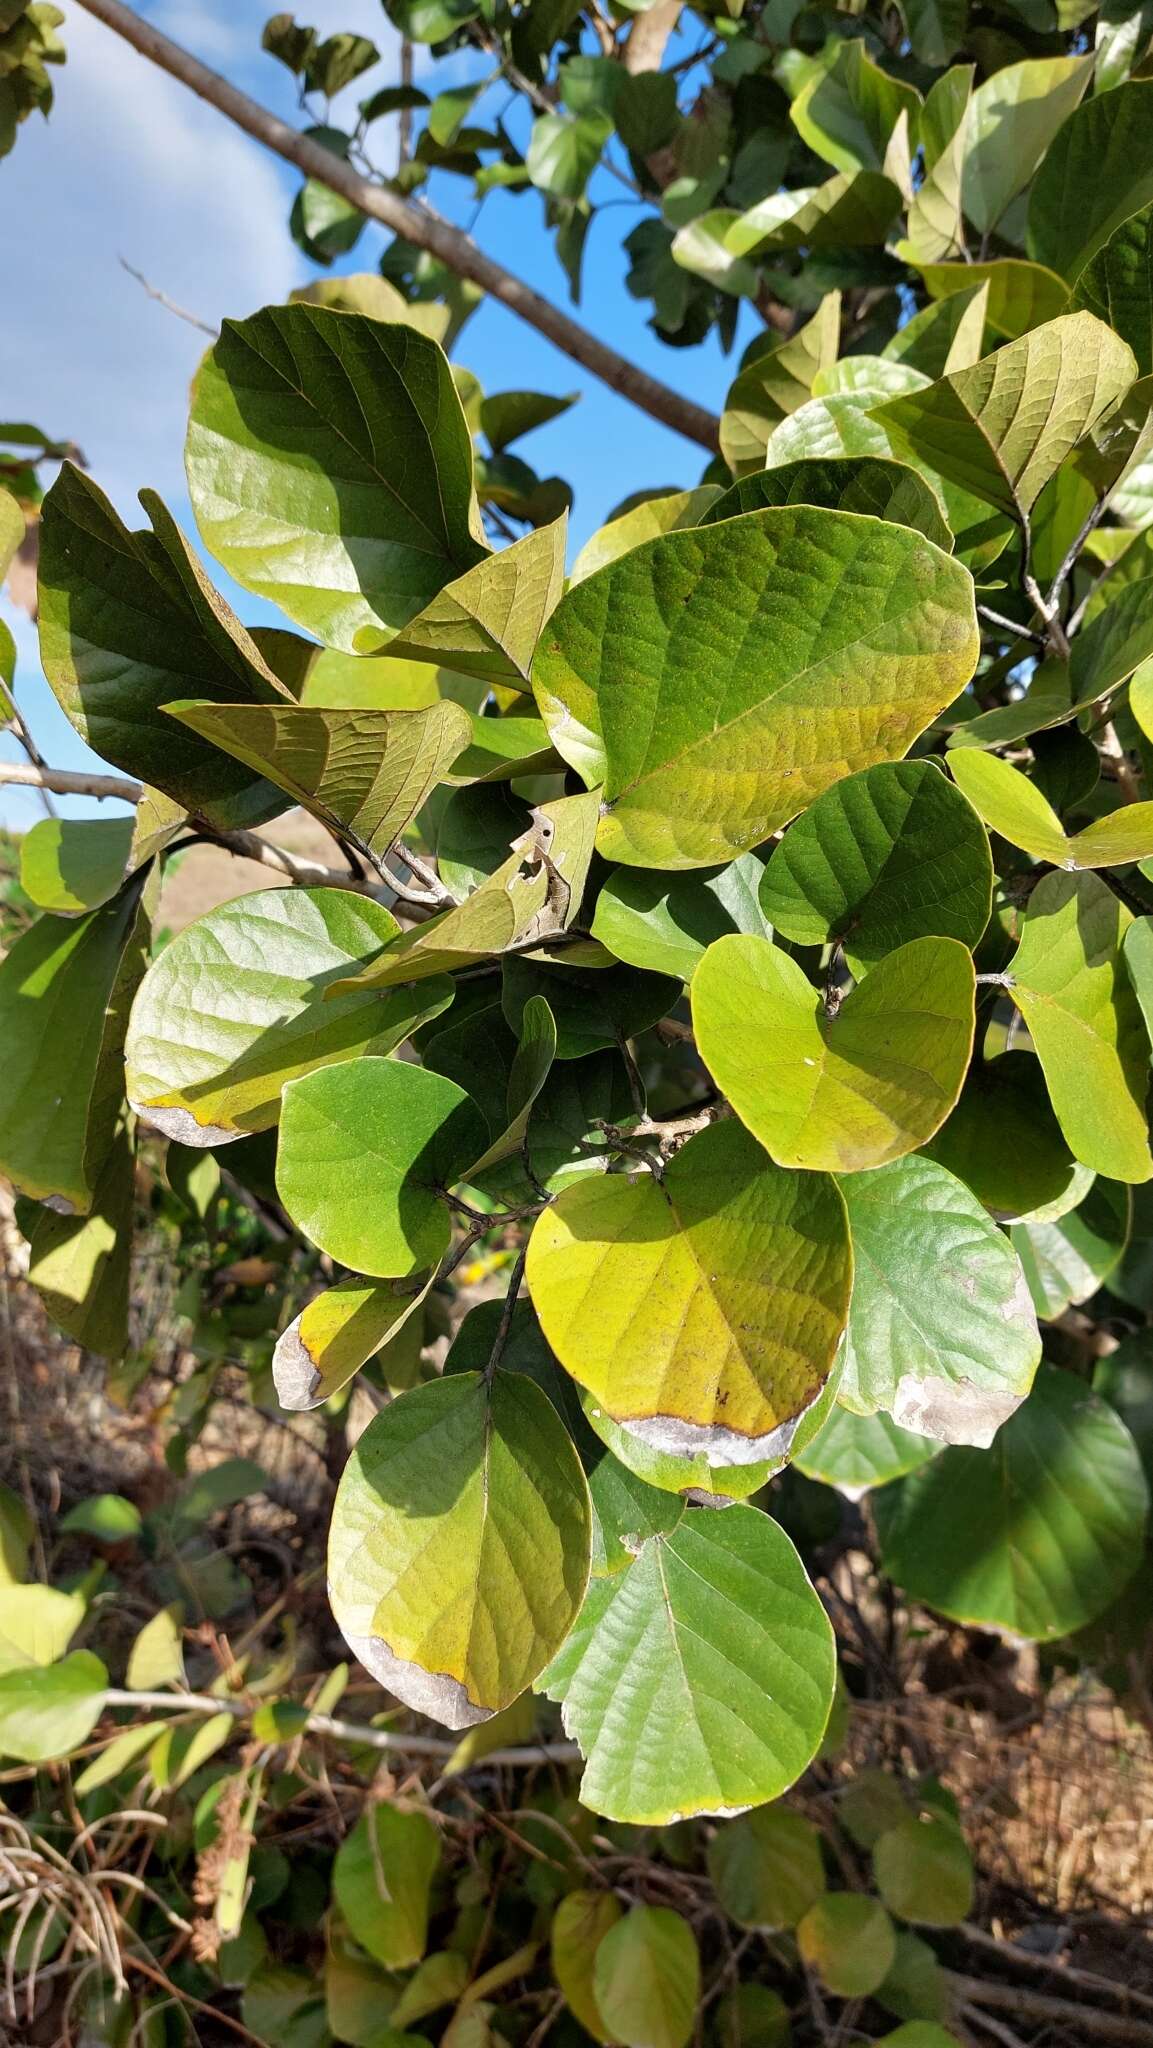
<point x="867" y="484"/>
<point x="935" y="228"/>
<point x="37" y="1623"/>
<point x="364" y="773"/>
<point x="702" y="1310"/>
<point x="11" y="531"/>
<point x="459" y="1548"/>
<point x="580" y="1923"/>
<point x="647" y="1978"/>
<point x="70" y="865"/>
<point x="917" y="1989"/>
<point x="1117" y="285"/>
<point x="473" y="834"/>
<point x="701" y="1678"/>
<point x="157" y="1654"/>
<point x="364" y="1149"/>
<point x="1051" y="1525"/>
<point x="774" y="385"/>
<point x="668" y="512"/>
<point x="118" y="1755"/>
<point x="507" y="415"/>
<point x="290" y="412"/>
<point x="702" y="247"/>
<point x="766" y="1868"/>
<point x="856" y="207"/>
<point x="128" y="621"/>
<point x="1021" y="295"/>
<point x="941" y="1329"/>
<point x="948" y="334"/>
<point x="236" y="1006"/>
<point x="1070" y="985"/>
<point x="81" y="1266"/>
<point x="1096" y="174"/>
<point x="381" y="1878"/>
<point x="689" y="1475"/>
<point x="337" y="1333"/>
<point x="1013" y="118"/>
<point x="1125" y="1380"/>
<point x="1066" y="1258"/>
<point x="106" y="1517"/>
<point x="924" y="1871"/>
<point x="752" y="2016"/>
<point x="664" y="922"/>
<point x="850" y="1941"/>
<point x="1004" y="1141"/>
<point x="851" y="632"/>
<point x="46" y="1714"/>
<point x="842" y="1092"/>
<point x="976" y="429"/>
<point x="1014" y="806"/>
<point x="885" y="856"/>
<point x="855" y="1453"/>
<point x="503" y="748"/>
<point x="65" y="988"/>
<point x="847" y="113"/>
<point x="593" y="1010"/>
<point x="564" y="152"/>
<point x="487" y="622"/>
<point x="532" y="1061"/>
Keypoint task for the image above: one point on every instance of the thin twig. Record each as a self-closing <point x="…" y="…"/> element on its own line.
<point x="62" y="782"/>
<point x="343" y="1731"/>
<point x="169" y="305"/>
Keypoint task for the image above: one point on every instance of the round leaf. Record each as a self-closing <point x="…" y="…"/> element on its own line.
<point x="1036" y="1535"/>
<point x="924" y="1871"/>
<point x="580" y="1924"/>
<point x="235" y="1006"/>
<point x="459" y="1547"/>
<point x="854" y="1453"/>
<point x="766" y="1867"/>
<point x="829" y="641"/>
<point x="886" y="856"/>
<point x="381" y="1879"/>
<point x="850" y="1941"/>
<point x="699" y="1680"/>
<point x="942" y="1331"/>
<point x="365" y="1149"/>
<point x="702" y="1310"/>
<point x="647" y="1978"/>
<point x="47" y="1713"/>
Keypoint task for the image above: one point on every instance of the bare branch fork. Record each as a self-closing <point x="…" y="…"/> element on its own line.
<point x="417" y="224"/>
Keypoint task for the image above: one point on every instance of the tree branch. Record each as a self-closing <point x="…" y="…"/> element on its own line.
<point x="63" y="783"/>
<point x="416" y="224"/>
<point x="345" y="1731"/>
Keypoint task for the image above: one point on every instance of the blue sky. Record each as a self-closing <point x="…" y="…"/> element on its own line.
<point x="132" y="165"/>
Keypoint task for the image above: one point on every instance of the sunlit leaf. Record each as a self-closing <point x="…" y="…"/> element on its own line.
<point x="1016" y="808"/>
<point x="459" y="1548"/>
<point x="862" y="629"/>
<point x="700" y="1679"/>
<point x="337" y="1333"/>
<point x="703" y="1309"/>
<point x="841" y="1088"/>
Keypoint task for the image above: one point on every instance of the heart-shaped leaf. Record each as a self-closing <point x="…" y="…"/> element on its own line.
<point x="1014" y="806"/>
<point x="942" y="1332"/>
<point x="366" y="1149"/>
<point x="883" y="857"/>
<point x="236" y="1006"/>
<point x="291" y="411"/>
<point x="700" y="1679"/>
<point x="742" y="1272"/>
<point x="1070" y="985"/>
<point x="459" y="1547"/>
<point x="1052" y="1521"/>
<point x="851" y="632"/>
<point x="844" y="1091"/>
